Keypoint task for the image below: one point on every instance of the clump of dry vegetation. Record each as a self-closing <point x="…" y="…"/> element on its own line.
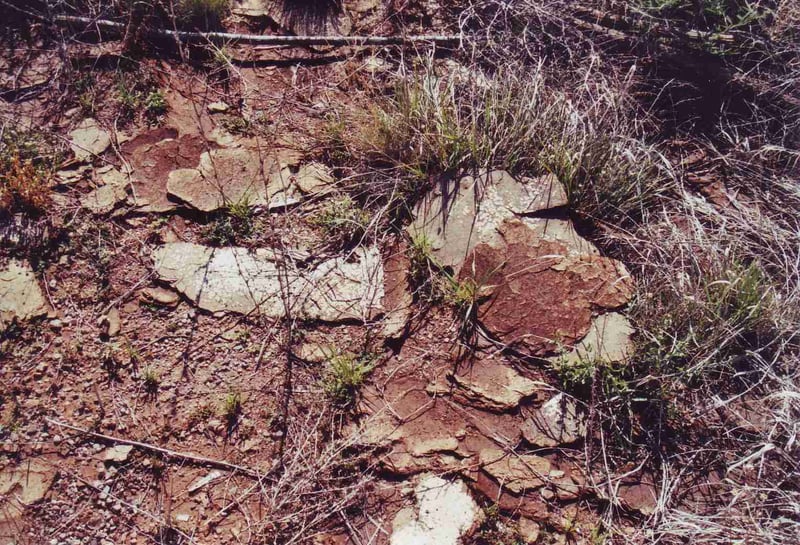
<point x="24" y="172"/>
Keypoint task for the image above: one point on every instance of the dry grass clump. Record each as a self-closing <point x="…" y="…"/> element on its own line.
<point x="23" y="173"/>
<point x="713" y="382"/>
<point x="321" y="479"/>
<point x="443" y="122"/>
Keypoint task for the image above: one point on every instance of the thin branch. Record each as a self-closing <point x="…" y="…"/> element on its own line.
<point x="194" y="458"/>
<point x="223" y="37"/>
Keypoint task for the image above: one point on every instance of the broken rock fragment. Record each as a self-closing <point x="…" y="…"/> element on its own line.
<point x="542" y="293"/>
<point x="445" y="514"/>
<point x="104" y="198"/>
<point x="558" y="422"/>
<point x="160" y="296"/>
<point x="544" y="283"/>
<point x="488" y="384"/>
<point x="118" y="453"/>
<point x="516" y="472"/>
<point x="223" y="177"/>
<point x="609" y="340"/>
<point x="88" y="139"/>
<point x="152" y="156"/>
<point x="456" y="218"/>
<point x="20" y="487"/>
<point x="21" y="297"/>
<point x="239" y="280"/>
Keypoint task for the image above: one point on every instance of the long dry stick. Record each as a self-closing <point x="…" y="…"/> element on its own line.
<point x="166" y="452"/>
<point x="264" y="40"/>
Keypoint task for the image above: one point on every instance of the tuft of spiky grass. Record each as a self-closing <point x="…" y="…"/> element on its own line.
<point x="344" y="376"/>
<point x="235" y="224"/>
<point x="345" y="223"/>
<point x="231" y="408"/>
<point x="440" y="125"/>
<point x="151" y="379"/>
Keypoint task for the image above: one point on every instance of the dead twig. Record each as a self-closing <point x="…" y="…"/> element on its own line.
<point x="223" y="37"/>
<point x="202" y="460"/>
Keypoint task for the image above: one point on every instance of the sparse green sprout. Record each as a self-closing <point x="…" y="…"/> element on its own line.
<point x="234" y="225"/>
<point x="129" y="97"/>
<point x="151" y="379"/>
<point x="84" y="86"/>
<point x="155" y="103"/>
<point x="334" y="140"/>
<point x="232" y="407"/>
<point x="344" y="376"/>
<point x="421" y="257"/>
<point x="344" y="221"/>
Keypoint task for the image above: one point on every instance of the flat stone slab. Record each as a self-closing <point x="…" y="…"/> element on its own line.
<point x="456" y="219"/>
<point x="560" y="421"/>
<point x="609" y="340"/>
<point x="229" y="176"/>
<point x="487" y="384"/>
<point x="544" y="282"/>
<point x="20" y="294"/>
<point x="104" y="198"/>
<point x="445" y="514"/>
<point x="223" y="177"/>
<point x="152" y="156"/>
<point x="517" y="473"/>
<point x="240" y="280"/>
<point x="88" y="139"/>
<point x="542" y="293"/>
<point x="20" y="487"/>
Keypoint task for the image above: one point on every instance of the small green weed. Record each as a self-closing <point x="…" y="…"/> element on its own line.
<point x="344" y="222"/>
<point x="231" y="408"/>
<point x="151" y="380"/>
<point x="129" y="97"/>
<point x="422" y="267"/>
<point x="155" y="103"/>
<point x="345" y="374"/>
<point x="235" y="225"/>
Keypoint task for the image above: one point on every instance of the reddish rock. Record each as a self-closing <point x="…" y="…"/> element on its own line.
<point x="152" y="156"/>
<point x="543" y="295"/>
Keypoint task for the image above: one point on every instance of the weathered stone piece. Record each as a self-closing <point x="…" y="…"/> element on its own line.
<point x="458" y="218"/>
<point x="21" y="297"/>
<point x="152" y="156"/>
<point x="20" y="487"/>
<point x="609" y="340"/>
<point x="104" y="198"/>
<point x="88" y="139"/>
<point x="223" y="177"/>
<point x="558" y="422"/>
<point x="446" y="513"/>
<point x="544" y="282"/>
<point x="517" y="473"/>
<point x="238" y="280"/>
<point x="487" y="384"/>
